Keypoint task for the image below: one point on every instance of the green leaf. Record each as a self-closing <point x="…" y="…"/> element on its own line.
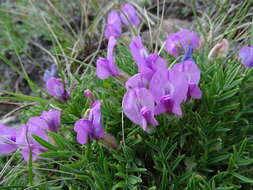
<point x="119" y="185"/>
<point x="242" y="178"/>
<point x="134" y="179"/>
<point x="44" y="143"/>
<point x="58" y="154"/>
<point x="58" y="140"/>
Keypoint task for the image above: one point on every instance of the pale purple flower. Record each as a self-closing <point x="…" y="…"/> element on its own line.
<point x="153" y="63"/>
<point x="7" y="139"/>
<point x="177" y="43"/>
<point x="192" y="74"/>
<point x="138" y="105"/>
<point x="246" y="56"/>
<point x="106" y="67"/>
<point x="137" y="81"/>
<point x="55" y="87"/>
<point x="51" y="72"/>
<point x="90" y="128"/>
<point x="169" y="88"/>
<point x="141" y="80"/>
<point x="113" y="26"/>
<point x="131" y="14"/>
<point x="138" y="52"/>
<point x="53" y="119"/>
<point x="26" y="142"/>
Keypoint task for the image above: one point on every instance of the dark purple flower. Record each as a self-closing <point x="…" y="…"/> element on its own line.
<point x="177" y="43"/>
<point x="106" y="66"/>
<point x="246" y="56"/>
<point x="138" y="105"/>
<point x="188" y="54"/>
<point x="192" y="74"/>
<point x="53" y="119"/>
<point x="138" y="52"/>
<point x="131" y="14"/>
<point x="26" y="142"/>
<point x="56" y="88"/>
<point x="7" y="139"/>
<point x="113" y="26"/>
<point x="51" y="72"/>
<point x="169" y="89"/>
<point x="90" y="128"/>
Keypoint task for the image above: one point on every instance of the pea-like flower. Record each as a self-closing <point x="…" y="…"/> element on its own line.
<point x="138" y="52"/>
<point x="7" y="139"/>
<point x="113" y="26"/>
<point x="53" y="119"/>
<point x="106" y="66"/>
<point x="169" y="88"/>
<point x="90" y="128"/>
<point x="192" y="74"/>
<point x="152" y="64"/>
<point x="138" y="105"/>
<point x="48" y="121"/>
<point x="246" y="56"/>
<point x="137" y="81"/>
<point x="55" y="87"/>
<point x="177" y="43"/>
<point x="129" y="11"/>
<point x="26" y="142"/>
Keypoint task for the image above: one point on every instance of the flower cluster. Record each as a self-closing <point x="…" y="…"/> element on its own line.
<point x="12" y="139"/>
<point x="155" y="89"/>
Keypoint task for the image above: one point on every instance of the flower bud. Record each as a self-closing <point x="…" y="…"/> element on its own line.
<point x="220" y="50"/>
<point x="89" y="95"/>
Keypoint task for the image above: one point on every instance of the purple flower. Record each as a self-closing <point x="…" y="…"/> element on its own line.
<point x="51" y="72"/>
<point x="56" y="88"/>
<point x="90" y="128"/>
<point x="137" y="81"/>
<point x="7" y="139"/>
<point x="177" y="43"/>
<point x="26" y="142"/>
<point x="53" y="119"/>
<point x="153" y="63"/>
<point x="113" y="26"/>
<point x="130" y="12"/>
<point x="169" y="89"/>
<point x="192" y="74"/>
<point x="141" y="80"/>
<point x="246" y="56"/>
<point x="138" y="105"/>
<point x="106" y="66"/>
<point x="138" y="52"/>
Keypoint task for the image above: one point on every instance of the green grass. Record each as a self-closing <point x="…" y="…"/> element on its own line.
<point x="209" y="148"/>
